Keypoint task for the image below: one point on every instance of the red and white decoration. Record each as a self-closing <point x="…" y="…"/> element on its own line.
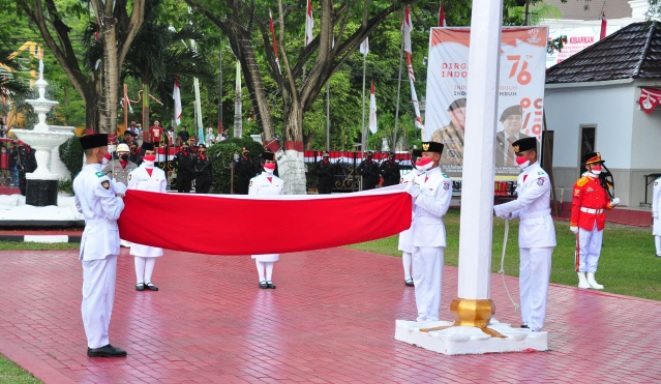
<point x="309" y="24"/>
<point x="372" y="119"/>
<point x="275" y="46"/>
<point x="354" y="218"/>
<point x="649" y="99"/>
<point x="176" y="96"/>
<point x="407" y="27"/>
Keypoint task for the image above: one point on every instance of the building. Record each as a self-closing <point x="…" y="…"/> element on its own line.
<point x="593" y="101"/>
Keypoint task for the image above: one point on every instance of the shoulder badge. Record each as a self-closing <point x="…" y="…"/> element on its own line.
<point x="444" y="175"/>
<point x="540" y="181"/>
<point x="582" y="181"/>
<point x="100" y="174"/>
<point x="105" y="184"/>
<point x="542" y="172"/>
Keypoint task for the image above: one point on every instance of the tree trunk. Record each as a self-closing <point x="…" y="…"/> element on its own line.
<point x="290" y="158"/>
<point x="108" y="118"/>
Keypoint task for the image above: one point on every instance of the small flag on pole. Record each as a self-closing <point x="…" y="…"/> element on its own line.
<point x="365" y="46"/>
<point x="441" y="17"/>
<point x="275" y="46"/>
<point x="309" y="24"/>
<point x="176" y="96"/>
<point x="406" y="30"/>
<point x="602" y="35"/>
<point x="372" y="120"/>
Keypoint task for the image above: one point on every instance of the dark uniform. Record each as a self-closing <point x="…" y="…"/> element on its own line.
<point x="245" y="170"/>
<point x="184" y="162"/>
<point x="203" y="174"/>
<point x="389" y="170"/>
<point x="27" y="163"/>
<point x="325" y="175"/>
<point x="369" y="170"/>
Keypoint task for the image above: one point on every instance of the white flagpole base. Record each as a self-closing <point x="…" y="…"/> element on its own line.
<point x="464" y="340"/>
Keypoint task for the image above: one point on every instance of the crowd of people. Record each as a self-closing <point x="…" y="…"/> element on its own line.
<point x="16" y="160"/>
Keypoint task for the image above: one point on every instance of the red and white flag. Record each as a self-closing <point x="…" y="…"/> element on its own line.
<point x="275" y="45"/>
<point x="602" y="35"/>
<point x="406" y="30"/>
<point x="416" y="107"/>
<point x="309" y="24"/>
<point x="441" y="17"/>
<point x="365" y="46"/>
<point x="372" y="120"/>
<point x="176" y="96"/>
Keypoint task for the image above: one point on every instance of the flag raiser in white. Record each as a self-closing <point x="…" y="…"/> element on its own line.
<point x="372" y="120"/>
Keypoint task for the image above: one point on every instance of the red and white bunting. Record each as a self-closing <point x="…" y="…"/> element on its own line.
<point x="602" y="35"/>
<point x="649" y="99"/>
<point x="275" y="45"/>
<point x="372" y="120"/>
<point x="441" y="17"/>
<point x="309" y="24"/>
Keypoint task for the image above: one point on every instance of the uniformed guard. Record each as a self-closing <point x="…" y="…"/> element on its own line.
<point x="100" y="200"/>
<point x="369" y="170"/>
<point x="119" y="169"/>
<point x="325" y="175"/>
<point x="590" y="199"/>
<point x="184" y="161"/>
<point x="405" y="243"/>
<point x="203" y="171"/>
<point x="389" y="170"/>
<point x="245" y="170"/>
<point x="536" y="232"/>
<point x="431" y="191"/>
<point x="147" y="177"/>
<point x="263" y="185"/>
<point x="656" y="204"/>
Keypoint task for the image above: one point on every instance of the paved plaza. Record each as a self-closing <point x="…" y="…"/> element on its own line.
<point x="330" y="320"/>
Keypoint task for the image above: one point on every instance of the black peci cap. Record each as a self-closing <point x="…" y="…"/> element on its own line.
<point x="268" y="156"/>
<point x="432" y="146"/>
<point x="94" y="141"/>
<point x="525" y="144"/>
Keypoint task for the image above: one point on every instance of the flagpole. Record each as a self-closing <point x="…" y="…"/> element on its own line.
<point x="220" y="90"/>
<point x="399" y="88"/>
<point x="364" y="141"/>
<point x="328" y="115"/>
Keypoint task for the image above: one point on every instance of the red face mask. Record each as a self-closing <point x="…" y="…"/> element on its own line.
<point x="269" y="167"/>
<point x="150" y="157"/>
<point x="596" y="167"/>
<point x="520" y="160"/>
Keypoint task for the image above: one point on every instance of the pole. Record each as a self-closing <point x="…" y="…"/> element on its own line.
<point x="363" y="142"/>
<point x="399" y="88"/>
<point x="220" y="90"/>
<point x="328" y="116"/>
<point x="125" y="104"/>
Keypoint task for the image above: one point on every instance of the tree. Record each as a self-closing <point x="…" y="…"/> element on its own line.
<point x="99" y="85"/>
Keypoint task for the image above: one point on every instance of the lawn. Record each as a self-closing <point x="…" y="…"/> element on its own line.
<point x="628" y="265"/>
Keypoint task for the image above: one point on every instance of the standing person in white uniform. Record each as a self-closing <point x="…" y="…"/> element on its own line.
<point x="536" y="232"/>
<point x="405" y="243"/>
<point x="101" y="202"/>
<point x="146" y="178"/>
<point x="431" y="192"/>
<point x="656" y="205"/>
<point x="262" y="185"/>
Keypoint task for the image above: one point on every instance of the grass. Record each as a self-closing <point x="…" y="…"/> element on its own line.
<point x="627" y="265"/>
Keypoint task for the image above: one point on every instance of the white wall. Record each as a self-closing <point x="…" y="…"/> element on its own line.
<point x="608" y="108"/>
<point x="646" y="151"/>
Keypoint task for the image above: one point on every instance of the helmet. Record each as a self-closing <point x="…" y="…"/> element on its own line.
<point x="122" y="148"/>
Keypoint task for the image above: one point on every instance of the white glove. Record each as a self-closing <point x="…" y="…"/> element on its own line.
<point x="615" y="201"/>
<point x="120" y="188"/>
<point x="573" y="229"/>
<point x="413" y="189"/>
<point x="655" y="215"/>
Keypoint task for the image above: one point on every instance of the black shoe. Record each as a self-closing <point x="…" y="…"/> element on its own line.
<point x="140" y="287"/>
<point x="263" y="285"/>
<point x="151" y="287"/>
<point x="409" y="283"/>
<point x="107" y="351"/>
<point x="525" y="326"/>
<point x="270" y="284"/>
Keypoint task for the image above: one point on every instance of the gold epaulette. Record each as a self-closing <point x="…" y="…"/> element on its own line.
<point x="582" y="181"/>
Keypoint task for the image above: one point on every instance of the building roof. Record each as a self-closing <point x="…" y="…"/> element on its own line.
<point x="591" y="9"/>
<point x="633" y="52"/>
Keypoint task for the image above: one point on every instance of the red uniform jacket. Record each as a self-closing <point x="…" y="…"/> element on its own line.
<point x="588" y="193"/>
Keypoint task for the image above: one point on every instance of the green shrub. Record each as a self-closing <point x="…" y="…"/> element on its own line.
<point x="222" y="157"/>
<point x="71" y="154"/>
<point x="66" y="186"/>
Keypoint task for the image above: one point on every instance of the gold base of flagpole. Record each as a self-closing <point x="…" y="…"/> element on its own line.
<point x="471" y="313"/>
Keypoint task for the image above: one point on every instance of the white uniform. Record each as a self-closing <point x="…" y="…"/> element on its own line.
<point x="429" y="241"/>
<point x="536" y="241"/>
<point x="140" y="179"/>
<point x="405" y="241"/>
<point x="99" y="246"/>
<point x="656" y="206"/>
<point x="263" y="185"/>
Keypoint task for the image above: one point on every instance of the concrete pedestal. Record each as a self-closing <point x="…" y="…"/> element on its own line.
<point x="469" y="340"/>
<point x="41" y="193"/>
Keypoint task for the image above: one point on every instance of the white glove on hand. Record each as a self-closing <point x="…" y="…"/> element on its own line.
<point x="413" y="189"/>
<point x="573" y="229"/>
<point x="120" y="188"/>
<point x="615" y="201"/>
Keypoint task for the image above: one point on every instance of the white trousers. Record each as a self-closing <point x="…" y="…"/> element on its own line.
<point x="589" y="249"/>
<point x="534" y="275"/>
<point x="407" y="261"/>
<point x="428" y="280"/>
<point x="264" y="270"/>
<point x="657" y="243"/>
<point x="144" y="267"/>
<point x="98" y="298"/>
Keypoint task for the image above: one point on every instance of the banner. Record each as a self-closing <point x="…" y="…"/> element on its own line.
<point x="520" y="101"/>
<point x="234" y="225"/>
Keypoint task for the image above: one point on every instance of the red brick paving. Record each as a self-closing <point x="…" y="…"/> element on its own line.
<point x="331" y="320"/>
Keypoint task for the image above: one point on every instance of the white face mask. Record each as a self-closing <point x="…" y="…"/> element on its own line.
<point x="269" y="168"/>
<point x="149" y="164"/>
<point x="596" y="172"/>
<point x="424" y="164"/>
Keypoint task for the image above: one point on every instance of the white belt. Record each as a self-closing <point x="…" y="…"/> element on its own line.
<point x="592" y="210"/>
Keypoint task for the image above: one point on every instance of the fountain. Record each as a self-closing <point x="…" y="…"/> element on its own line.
<point x="42" y="184"/>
